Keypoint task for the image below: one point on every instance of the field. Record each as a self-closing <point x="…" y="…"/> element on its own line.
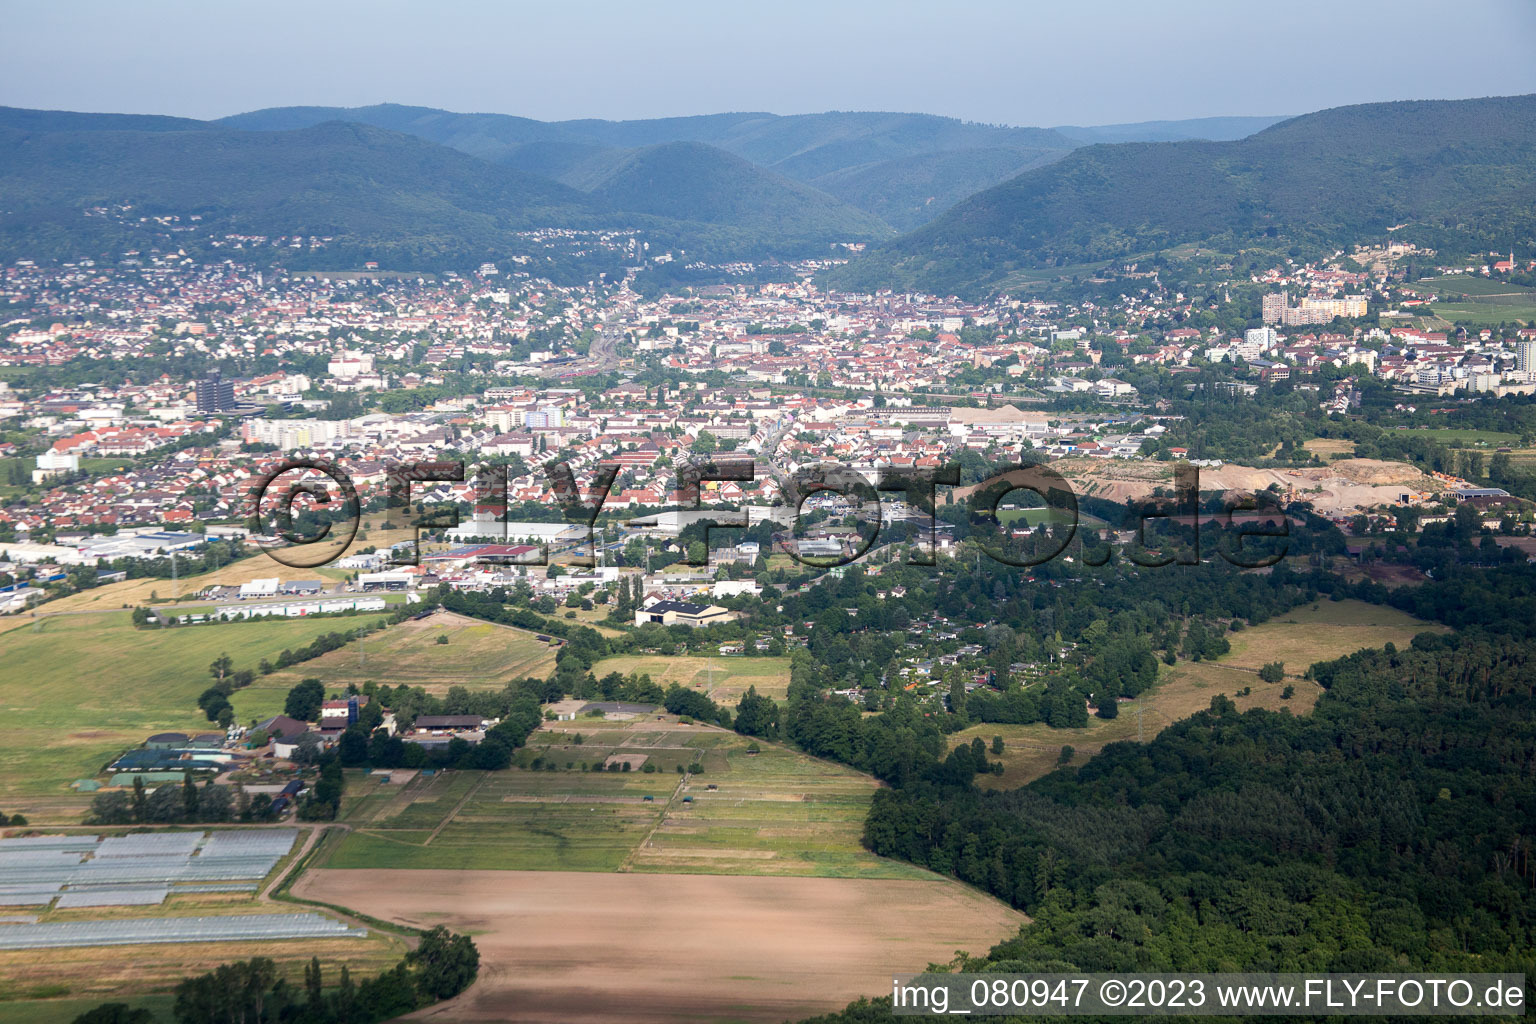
<point x="1036" y="516"/>
<point x="594" y="619"/>
<point x="1488" y="300"/>
<point x="30" y="980"/>
<point x="1031" y="751"/>
<point x="1321" y="632"/>
<point x="655" y="949"/>
<point x="775" y="812"/>
<point x="1298" y="639"/>
<point x="478" y="655"/>
<point x="77" y="690"/>
<point x="1467" y="438"/>
<point x="1488" y="312"/>
<point x="1327" y="448"/>
<point x="723" y="679"/>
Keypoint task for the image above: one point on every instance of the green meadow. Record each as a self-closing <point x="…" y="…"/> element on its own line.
<point x="78" y="689"/>
<point x="768" y="812"/>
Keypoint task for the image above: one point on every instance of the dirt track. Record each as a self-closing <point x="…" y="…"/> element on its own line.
<point x="577" y="947"/>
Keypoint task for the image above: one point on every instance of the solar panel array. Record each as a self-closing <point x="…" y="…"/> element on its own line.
<point x="246" y="927"/>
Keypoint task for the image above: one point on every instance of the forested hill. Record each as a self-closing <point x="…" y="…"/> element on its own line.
<point x="1216" y="129"/>
<point x="1449" y="174"/>
<point x="1391" y="829"/>
<point x="94" y="185"/>
<point x="391" y="193"/>
<point x="22" y="119"/>
<point x="419" y="188"/>
<point x="692" y="181"/>
<point x="903" y="168"/>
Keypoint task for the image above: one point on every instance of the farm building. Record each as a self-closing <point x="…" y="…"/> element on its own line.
<point x="281" y="726"/>
<point x="338" y="714"/>
<point x="435" y="723"/>
<point x="177" y="760"/>
<point x="437" y="731"/>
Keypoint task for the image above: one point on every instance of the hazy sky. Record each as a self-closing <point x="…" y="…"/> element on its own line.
<point x="1012" y="61"/>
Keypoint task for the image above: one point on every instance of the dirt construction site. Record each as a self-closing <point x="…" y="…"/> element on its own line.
<point x="1341" y="488"/>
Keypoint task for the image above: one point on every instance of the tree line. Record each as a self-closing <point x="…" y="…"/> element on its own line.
<point x="255" y="991"/>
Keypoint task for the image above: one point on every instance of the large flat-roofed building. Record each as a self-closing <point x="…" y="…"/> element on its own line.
<point x="489" y="528"/>
<point x="300" y="607"/>
<point x="145" y="544"/>
<point x="682" y="613"/>
<point x="371" y="581"/>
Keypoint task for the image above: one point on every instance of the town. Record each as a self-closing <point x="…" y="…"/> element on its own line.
<point x="570" y="555"/>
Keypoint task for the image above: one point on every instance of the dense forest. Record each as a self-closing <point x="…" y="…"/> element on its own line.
<point x="1391" y="829"/>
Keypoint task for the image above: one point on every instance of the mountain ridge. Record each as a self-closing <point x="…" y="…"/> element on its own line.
<point x="373" y="189"/>
<point x="1454" y="172"/>
<point x="904" y="168"/>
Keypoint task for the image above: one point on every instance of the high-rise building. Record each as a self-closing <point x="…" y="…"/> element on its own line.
<point x="1274" y="306"/>
<point x="1525" y="356"/>
<point x="215" y="394"/>
<point x="1263" y="338"/>
<point x="1311" y="310"/>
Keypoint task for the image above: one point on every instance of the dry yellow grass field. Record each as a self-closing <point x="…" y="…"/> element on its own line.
<point x="1031" y="751"/>
<point x="478" y="655"/>
<point x="724" y="680"/>
<point x="1327" y="448"/>
<point x="1330" y="629"/>
<point x="1321" y="632"/>
<point x="119" y="973"/>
